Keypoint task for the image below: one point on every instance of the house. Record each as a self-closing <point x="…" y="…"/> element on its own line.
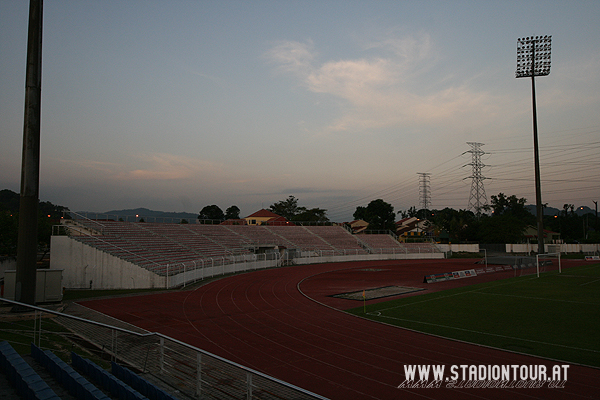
<point x="358" y="226"/>
<point x="412" y="227"/>
<point x="549" y="236"/>
<point x="266" y="217"/>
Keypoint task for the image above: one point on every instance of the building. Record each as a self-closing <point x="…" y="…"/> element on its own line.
<point x="412" y="229"/>
<point x="549" y="236"/>
<point x="266" y="217"/>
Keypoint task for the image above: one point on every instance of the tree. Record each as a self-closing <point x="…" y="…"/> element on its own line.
<point x="287" y="208"/>
<point x="502" y="205"/>
<point x="411" y="212"/>
<point x="379" y="214"/>
<point x="48" y="215"/>
<point x="312" y="215"/>
<point x="455" y="223"/>
<point x="498" y="229"/>
<point x="507" y="223"/>
<point x="290" y="210"/>
<point x="232" y="212"/>
<point x="567" y="207"/>
<point x="212" y="212"/>
<point x="9" y="232"/>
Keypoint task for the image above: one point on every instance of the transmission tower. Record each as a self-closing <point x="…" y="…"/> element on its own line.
<point x="424" y="190"/>
<point x="477" y="199"/>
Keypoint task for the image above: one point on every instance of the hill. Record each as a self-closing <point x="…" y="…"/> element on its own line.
<point x="147" y="214"/>
<point x="581" y="210"/>
<point x="10" y="201"/>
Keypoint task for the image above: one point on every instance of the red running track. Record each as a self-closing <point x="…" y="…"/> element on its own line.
<point x="283" y="322"/>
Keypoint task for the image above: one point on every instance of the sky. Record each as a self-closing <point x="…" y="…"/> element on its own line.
<point x="175" y="105"/>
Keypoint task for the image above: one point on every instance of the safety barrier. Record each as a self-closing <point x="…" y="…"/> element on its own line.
<point x="27" y="382"/>
<point x="190" y="370"/>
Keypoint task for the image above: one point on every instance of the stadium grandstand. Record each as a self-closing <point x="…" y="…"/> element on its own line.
<point x="109" y="254"/>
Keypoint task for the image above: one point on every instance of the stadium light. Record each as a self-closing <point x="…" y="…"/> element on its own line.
<point x="533" y="59"/>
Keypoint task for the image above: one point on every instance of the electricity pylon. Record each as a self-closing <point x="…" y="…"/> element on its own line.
<point x="424" y="190"/>
<point x="477" y="198"/>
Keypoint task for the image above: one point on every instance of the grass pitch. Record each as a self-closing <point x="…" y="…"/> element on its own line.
<point x="555" y="316"/>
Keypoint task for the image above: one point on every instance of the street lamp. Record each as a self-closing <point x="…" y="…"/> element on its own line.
<point x="533" y="59"/>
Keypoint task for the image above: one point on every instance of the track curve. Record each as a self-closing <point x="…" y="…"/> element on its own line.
<point x="284" y="323"/>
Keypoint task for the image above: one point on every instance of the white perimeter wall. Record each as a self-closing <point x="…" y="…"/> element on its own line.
<point x="553" y="248"/>
<point x="468" y="248"/>
<point x="366" y="257"/>
<point x="82" y="264"/>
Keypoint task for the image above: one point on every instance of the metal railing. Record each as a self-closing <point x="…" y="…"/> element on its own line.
<point x="193" y="371"/>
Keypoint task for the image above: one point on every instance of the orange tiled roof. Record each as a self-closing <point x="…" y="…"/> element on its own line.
<point x="263" y="214"/>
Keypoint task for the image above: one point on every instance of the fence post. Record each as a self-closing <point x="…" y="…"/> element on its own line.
<point x="161" y="354"/>
<point x="114" y="339"/>
<point x="198" y="373"/>
<point x="248" y="386"/>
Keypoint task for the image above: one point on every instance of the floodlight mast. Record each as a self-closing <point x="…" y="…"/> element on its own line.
<point x="25" y="278"/>
<point x="533" y="59"/>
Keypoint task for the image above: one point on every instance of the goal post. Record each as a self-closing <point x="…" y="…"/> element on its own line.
<point x="547" y="262"/>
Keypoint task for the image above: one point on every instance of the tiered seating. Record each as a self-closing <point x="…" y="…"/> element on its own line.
<point x="337" y="237"/>
<point x="109" y="382"/>
<point x="140" y="384"/>
<point x="146" y="257"/>
<point x="26" y="381"/>
<point x="162" y="247"/>
<point x="64" y="374"/>
<point x="222" y="236"/>
<point x="154" y="246"/>
<point x="301" y="238"/>
<point x="261" y="235"/>
<point x="380" y="242"/>
<point x="122" y="383"/>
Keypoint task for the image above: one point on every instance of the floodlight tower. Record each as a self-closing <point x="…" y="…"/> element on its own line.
<point x="25" y="278"/>
<point x="424" y="190"/>
<point x="477" y="198"/>
<point x="533" y="59"/>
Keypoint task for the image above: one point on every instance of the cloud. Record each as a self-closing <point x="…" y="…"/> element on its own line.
<point x="293" y="57"/>
<point x="162" y="166"/>
<point x="386" y="89"/>
<point x="352" y="78"/>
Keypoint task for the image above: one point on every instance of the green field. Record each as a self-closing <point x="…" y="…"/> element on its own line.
<point x="555" y="316"/>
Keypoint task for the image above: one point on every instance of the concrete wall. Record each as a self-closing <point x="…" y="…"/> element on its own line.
<point x="87" y="267"/>
<point x="366" y="257"/>
<point x="468" y="248"/>
<point x="553" y="248"/>
<point x="207" y="271"/>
